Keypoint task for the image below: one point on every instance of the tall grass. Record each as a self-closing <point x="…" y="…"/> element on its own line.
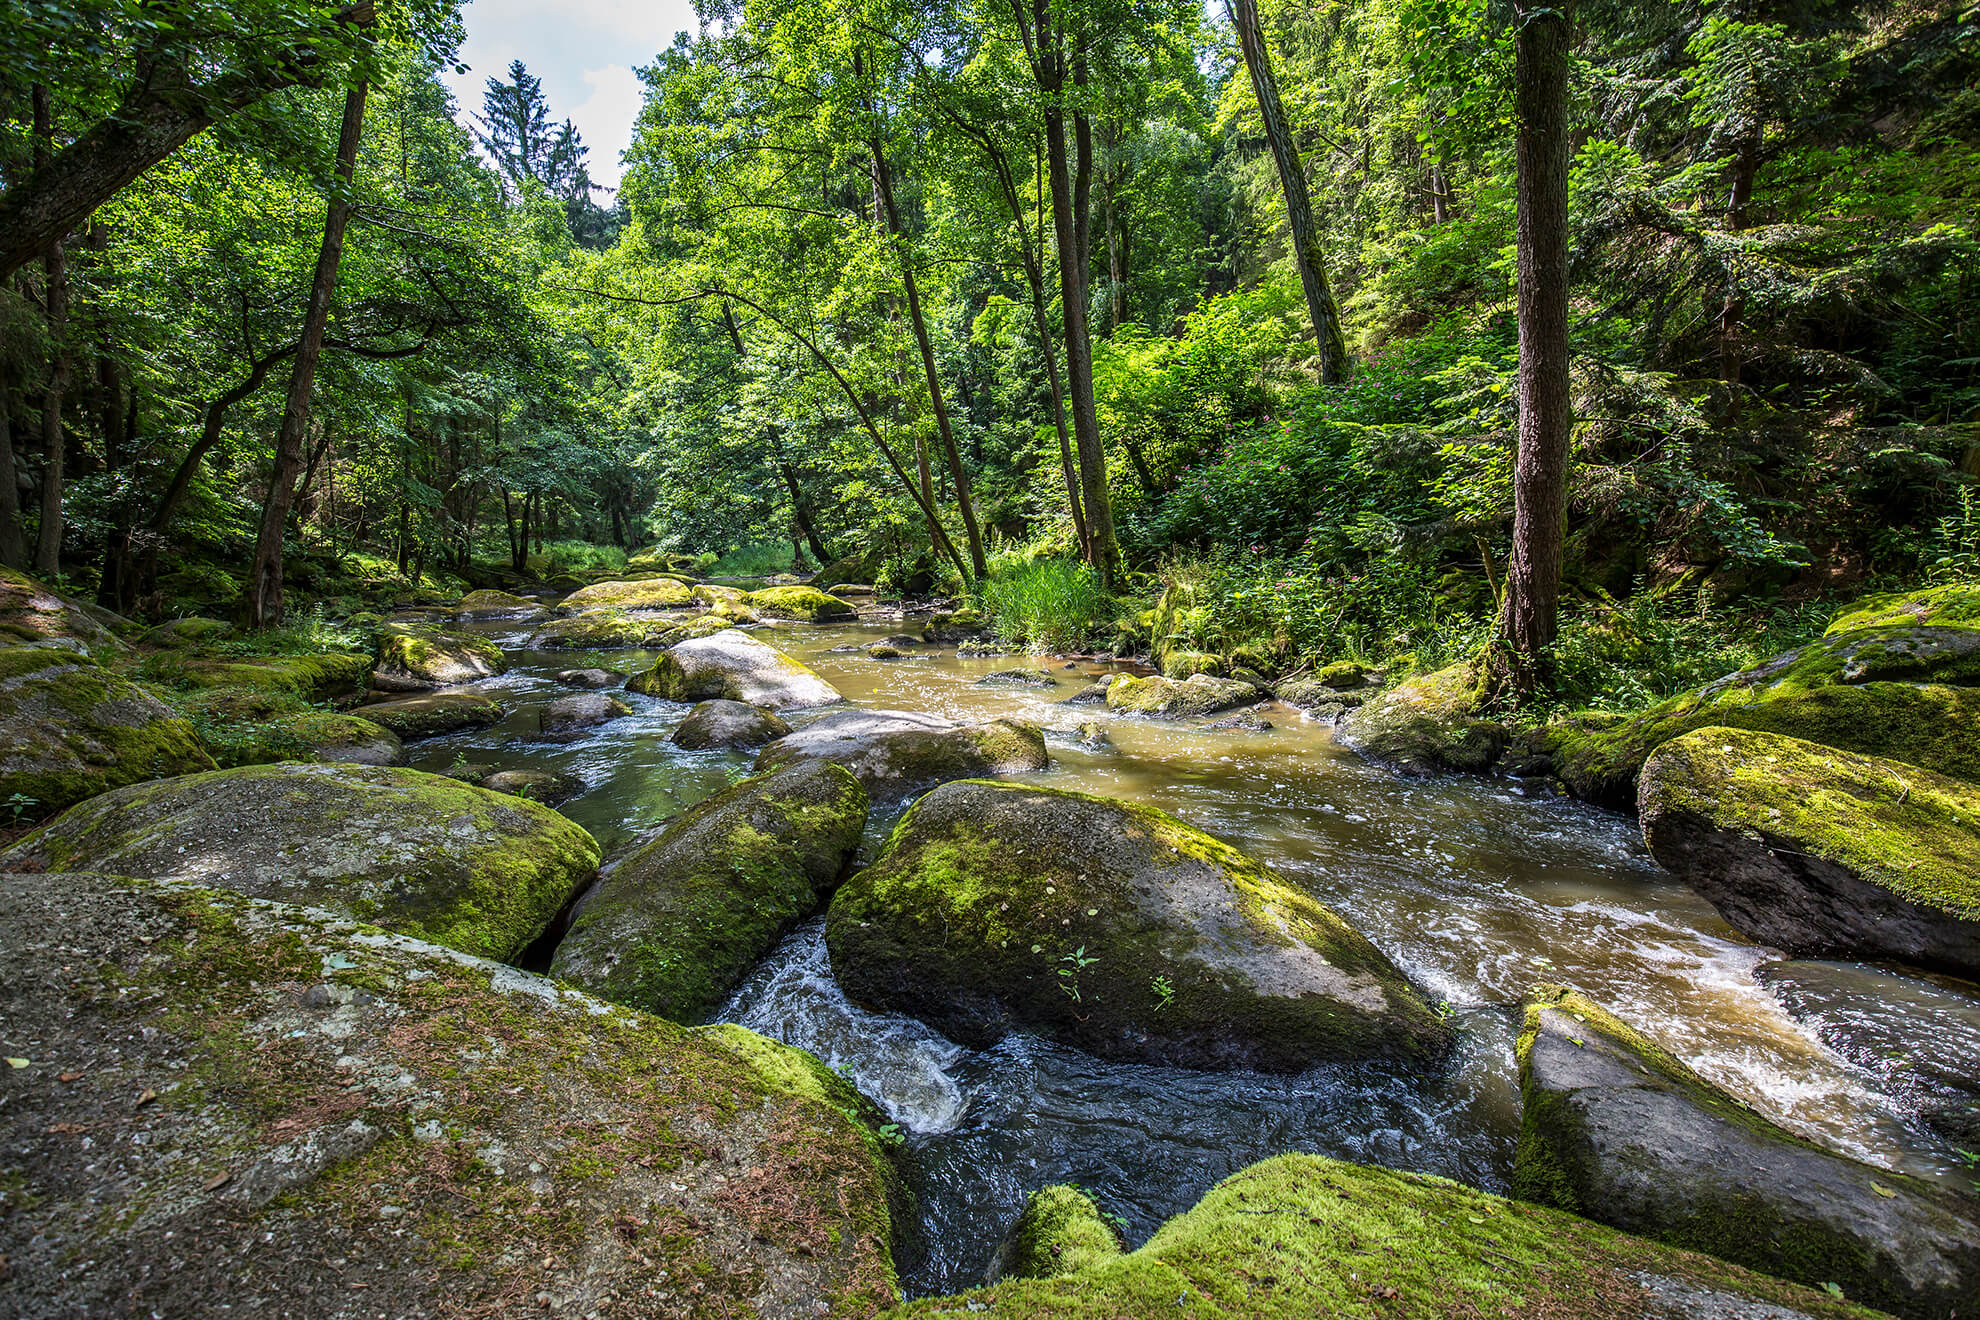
<point x="1049" y="604"/>
<point x="764" y="559"/>
<point x="571" y="556"/>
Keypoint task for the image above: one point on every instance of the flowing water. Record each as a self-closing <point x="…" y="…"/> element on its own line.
<point x="1476" y="891"/>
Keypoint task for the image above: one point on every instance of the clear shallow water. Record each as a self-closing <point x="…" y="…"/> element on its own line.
<point x="1474" y="890"/>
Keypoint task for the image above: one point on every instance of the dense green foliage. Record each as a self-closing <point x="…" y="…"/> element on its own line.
<point x="822" y="322"/>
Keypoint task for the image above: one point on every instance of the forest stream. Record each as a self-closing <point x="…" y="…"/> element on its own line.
<point x="1476" y="891"/>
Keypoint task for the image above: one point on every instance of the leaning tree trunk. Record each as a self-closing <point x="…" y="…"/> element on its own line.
<point x="1307" y="255"/>
<point x="1529" y="616"/>
<point x="264" y="594"/>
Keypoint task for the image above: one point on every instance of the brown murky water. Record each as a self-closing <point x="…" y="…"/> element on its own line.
<point x="1476" y="891"/>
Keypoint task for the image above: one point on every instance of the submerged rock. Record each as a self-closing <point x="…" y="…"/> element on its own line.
<point x="882" y="651"/>
<point x="1093" y="694"/>
<point x="590" y="678"/>
<point x="413" y="852"/>
<point x="1116" y="928"/>
<point x="654" y="593"/>
<point x="70" y="730"/>
<point x="896" y="753"/>
<point x="1299" y="1236"/>
<point x="580" y="710"/>
<point x="497" y="605"/>
<point x="543" y="786"/>
<point x="735" y="666"/>
<point x="1818" y="851"/>
<point x="349" y="1125"/>
<point x="1427" y="725"/>
<point x="1614" y="1128"/>
<point x="1248" y="722"/>
<point x="674" y="925"/>
<point x="434" y="714"/>
<point x="728" y="724"/>
<point x="416" y="658"/>
<point x="1031" y="678"/>
<point x="1896" y="692"/>
<point x="793" y="602"/>
<point x="1167" y="699"/>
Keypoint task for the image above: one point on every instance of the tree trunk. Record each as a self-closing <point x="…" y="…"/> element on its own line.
<point x="1307" y="255"/>
<point x="158" y="116"/>
<point x="1528" y="621"/>
<point x="13" y="549"/>
<point x="55" y="307"/>
<point x="883" y="182"/>
<point x="801" y="515"/>
<point x="264" y="593"/>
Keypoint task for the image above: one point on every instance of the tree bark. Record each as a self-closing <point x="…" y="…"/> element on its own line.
<point x="13" y="549"/>
<point x="264" y="593"/>
<point x="1307" y="254"/>
<point x="55" y="309"/>
<point x="1529" y="618"/>
<point x="162" y="111"/>
<point x="801" y="515"/>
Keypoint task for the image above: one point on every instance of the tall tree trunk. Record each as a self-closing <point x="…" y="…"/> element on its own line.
<point x="1307" y="254"/>
<point x="55" y="308"/>
<point x="1046" y="48"/>
<point x="1746" y="165"/>
<point x="13" y="549"/>
<point x="264" y="593"/>
<point x="1529" y="618"/>
<point x="883" y="182"/>
<point x="801" y="515"/>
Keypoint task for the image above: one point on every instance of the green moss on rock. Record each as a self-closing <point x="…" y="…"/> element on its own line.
<point x="655" y="593"/>
<point x="1955" y="605"/>
<point x="334" y="1108"/>
<point x="806" y="603"/>
<point x="497" y="605"/>
<point x="736" y="667"/>
<point x="433" y="714"/>
<point x="1060" y="1232"/>
<point x="616" y="630"/>
<point x="327" y="676"/>
<point x="412" y="657"/>
<point x="1164" y="698"/>
<point x="1819" y="851"/>
<point x="1114" y="927"/>
<point x="673" y="926"/>
<point x="1180" y="664"/>
<point x="1428" y="724"/>
<point x="1298" y="1236"/>
<point x="416" y="853"/>
<point x="1619" y="1130"/>
<point x="896" y="753"/>
<point x="70" y="730"/>
<point x="31" y="612"/>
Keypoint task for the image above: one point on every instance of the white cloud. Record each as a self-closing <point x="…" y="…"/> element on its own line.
<point x="583" y="50"/>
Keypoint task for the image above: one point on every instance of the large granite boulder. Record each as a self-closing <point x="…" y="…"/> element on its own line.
<point x="674" y="925"/>
<point x="497" y="605"/>
<point x="249" y="726"/>
<point x="1298" y="1237"/>
<point x="654" y="593"/>
<point x="896" y="753"/>
<point x="31" y="613"/>
<point x="415" y="658"/>
<point x="1817" y="851"/>
<point x="413" y="852"/>
<point x="1955" y="605"/>
<point x="1616" y="1129"/>
<point x="323" y="676"/>
<point x="794" y="602"/>
<point x="580" y="711"/>
<point x="617" y="630"/>
<point x="434" y="713"/>
<point x="1903" y="692"/>
<point x="727" y="602"/>
<point x="1116" y="928"/>
<point x="731" y="725"/>
<point x="70" y="730"/>
<point x="735" y="666"/>
<point x="1427" y="725"/>
<point x="237" y="1107"/>
<point x="1169" y="699"/>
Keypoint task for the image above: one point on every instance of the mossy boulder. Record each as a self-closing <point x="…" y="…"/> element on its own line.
<point x="655" y="593"/>
<point x="1182" y="664"/>
<point x="674" y="925"/>
<point x="176" y="634"/>
<point x="728" y="725"/>
<point x="1167" y="699"/>
<point x="238" y="731"/>
<point x="497" y="605"/>
<point x="794" y="602"/>
<point x="70" y="730"/>
<point x="1021" y="678"/>
<point x="735" y="666"/>
<point x="1899" y="692"/>
<point x="1299" y="1236"/>
<point x="590" y="678"/>
<point x="324" y="676"/>
<point x="1116" y="928"/>
<point x="31" y="612"/>
<point x="1955" y="605"/>
<point x="616" y="630"/>
<point x="1817" y="851"/>
<point x="947" y="628"/>
<point x="351" y="1125"/>
<point x="859" y="568"/>
<point x="415" y="853"/>
<point x="580" y="711"/>
<point x="1309" y="692"/>
<point x="433" y="714"/>
<point x="1059" y="1232"/>
<point x="416" y="658"/>
<point x="1616" y="1129"/>
<point x="1427" y="725"/>
<point x="545" y="786"/>
<point x="895" y="753"/>
<point x="727" y="603"/>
